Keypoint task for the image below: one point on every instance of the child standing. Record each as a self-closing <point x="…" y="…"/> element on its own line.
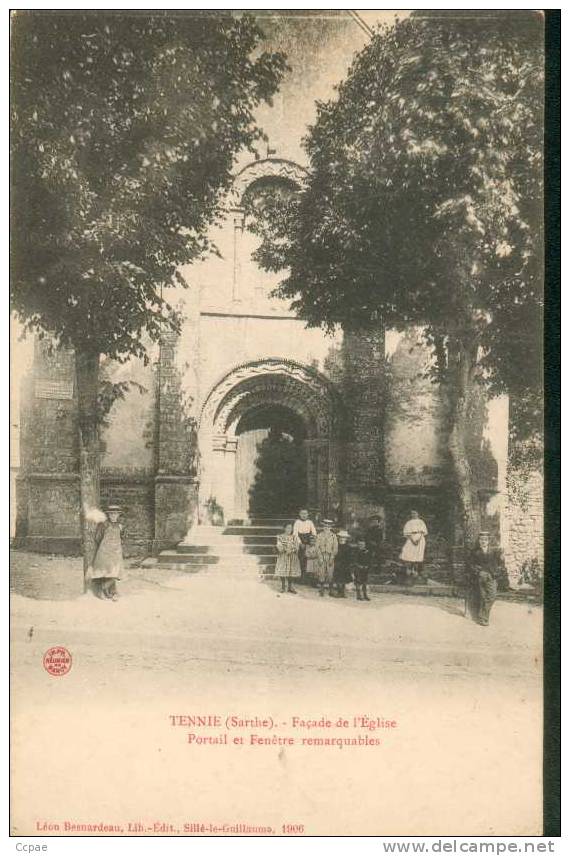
<point x="315" y="566"/>
<point x="108" y="563"/>
<point x="359" y="567"/>
<point x="415" y="533"/>
<point x="287" y="565"/>
<point x="327" y="547"/>
<point x="303" y="530"/>
<point x="341" y="573"/>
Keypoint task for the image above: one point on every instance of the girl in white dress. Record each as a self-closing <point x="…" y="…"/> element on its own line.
<point x="415" y="532"/>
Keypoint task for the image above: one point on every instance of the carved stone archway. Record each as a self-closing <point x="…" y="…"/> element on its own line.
<point x="277" y="168"/>
<point x="301" y="389"/>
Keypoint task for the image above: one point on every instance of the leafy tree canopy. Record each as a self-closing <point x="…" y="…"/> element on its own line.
<point x="125" y="127"/>
<point x="424" y="199"/>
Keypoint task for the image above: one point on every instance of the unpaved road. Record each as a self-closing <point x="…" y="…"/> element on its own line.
<point x="97" y="745"/>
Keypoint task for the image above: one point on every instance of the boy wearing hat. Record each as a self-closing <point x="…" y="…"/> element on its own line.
<point x="108" y="563"/>
<point x="327" y="548"/>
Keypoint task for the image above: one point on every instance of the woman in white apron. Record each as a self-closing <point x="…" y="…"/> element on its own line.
<point x="415" y="532"/>
<point x="108" y="562"/>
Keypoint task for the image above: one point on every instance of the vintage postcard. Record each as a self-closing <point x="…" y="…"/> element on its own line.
<point x="276" y="423"/>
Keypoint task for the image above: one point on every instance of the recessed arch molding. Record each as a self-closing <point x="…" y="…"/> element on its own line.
<point x="271" y="381"/>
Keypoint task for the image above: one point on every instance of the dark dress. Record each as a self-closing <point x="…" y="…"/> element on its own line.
<point x="360" y="565"/>
<point x="304" y="541"/>
<point x="374" y="540"/>
<point x="342" y="562"/>
<point x="484" y="571"/>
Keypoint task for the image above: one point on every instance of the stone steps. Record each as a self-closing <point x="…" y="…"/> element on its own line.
<point x="232" y="549"/>
<point x="220" y="569"/>
<point x="244" y="548"/>
<point x="236" y="540"/>
<point x="173" y="557"/>
<point x="237" y="549"/>
<point x="274" y="522"/>
<point x="272" y="531"/>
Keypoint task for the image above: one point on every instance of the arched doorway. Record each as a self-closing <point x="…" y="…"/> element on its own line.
<point x="271" y="465"/>
<point x="267" y="422"/>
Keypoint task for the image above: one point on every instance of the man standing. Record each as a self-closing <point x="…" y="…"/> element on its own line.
<point x="415" y="532"/>
<point x="303" y="530"/>
<point x="485" y="566"/>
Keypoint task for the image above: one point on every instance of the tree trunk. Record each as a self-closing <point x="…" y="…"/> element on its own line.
<point x="462" y="366"/>
<point x="87" y="376"/>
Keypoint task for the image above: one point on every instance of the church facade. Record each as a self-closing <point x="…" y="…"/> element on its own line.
<point x="247" y="413"/>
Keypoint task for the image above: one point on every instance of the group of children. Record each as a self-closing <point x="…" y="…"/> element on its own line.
<point x="332" y="560"/>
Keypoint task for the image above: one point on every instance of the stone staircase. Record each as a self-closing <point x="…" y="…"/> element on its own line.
<point x="245" y="550"/>
<point x="242" y="547"/>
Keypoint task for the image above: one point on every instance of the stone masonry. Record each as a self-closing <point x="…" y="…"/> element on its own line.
<point x="373" y="421"/>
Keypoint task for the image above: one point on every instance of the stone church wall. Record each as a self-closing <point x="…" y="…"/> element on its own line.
<point x="415" y="412"/>
<point x="227" y="341"/>
<point x="48" y="485"/>
<point x="128" y="439"/>
<point x="392" y="451"/>
<point x="416" y="466"/>
<point x="524" y="524"/>
<point x="48" y="497"/>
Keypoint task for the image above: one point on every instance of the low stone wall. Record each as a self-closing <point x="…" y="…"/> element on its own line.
<point x="176" y="503"/>
<point x="49" y="511"/>
<point x="136" y="498"/>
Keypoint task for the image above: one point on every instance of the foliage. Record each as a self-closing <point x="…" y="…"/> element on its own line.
<point x="189" y="430"/>
<point x="111" y="391"/>
<point x="423" y="200"/>
<point x="526" y="450"/>
<point x="125" y="127"/>
<point x="531" y="574"/>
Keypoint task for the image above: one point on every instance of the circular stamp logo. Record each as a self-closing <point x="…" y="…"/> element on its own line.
<point x="57" y="661"/>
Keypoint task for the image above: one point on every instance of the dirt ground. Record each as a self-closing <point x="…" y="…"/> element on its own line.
<point x="98" y="744"/>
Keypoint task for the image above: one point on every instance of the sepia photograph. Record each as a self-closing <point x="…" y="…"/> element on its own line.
<point x="277" y="422"/>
